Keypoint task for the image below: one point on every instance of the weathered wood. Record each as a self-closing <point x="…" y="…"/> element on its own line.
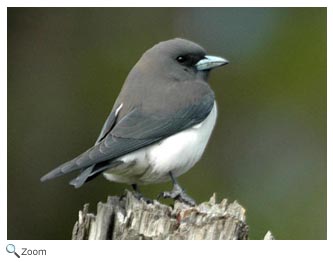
<point x="129" y="218"/>
<point x="269" y="236"/>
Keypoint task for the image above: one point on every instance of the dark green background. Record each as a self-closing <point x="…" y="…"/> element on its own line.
<point x="268" y="150"/>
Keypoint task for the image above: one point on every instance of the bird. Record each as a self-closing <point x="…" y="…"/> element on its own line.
<point x="159" y="125"/>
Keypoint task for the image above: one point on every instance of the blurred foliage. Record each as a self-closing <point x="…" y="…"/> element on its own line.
<point x="268" y="151"/>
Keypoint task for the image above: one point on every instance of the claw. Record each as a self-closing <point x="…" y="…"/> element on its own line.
<point x="179" y="194"/>
<point x="138" y="195"/>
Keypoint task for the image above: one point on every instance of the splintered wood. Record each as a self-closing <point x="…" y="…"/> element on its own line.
<point x="129" y="218"/>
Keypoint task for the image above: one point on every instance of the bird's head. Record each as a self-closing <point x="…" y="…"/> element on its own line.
<point x="180" y="59"/>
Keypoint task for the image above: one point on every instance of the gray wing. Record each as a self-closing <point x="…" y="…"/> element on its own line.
<point x="134" y="131"/>
<point x="92" y="170"/>
<point x="108" y="125"/>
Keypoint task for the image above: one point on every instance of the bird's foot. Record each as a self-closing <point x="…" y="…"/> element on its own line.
<point x="139" y="196"/>
<point x="178" y="193"/>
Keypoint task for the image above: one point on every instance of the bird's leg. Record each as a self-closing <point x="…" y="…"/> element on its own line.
<point x="138" y="194"/>
<point x="177" y="193"/>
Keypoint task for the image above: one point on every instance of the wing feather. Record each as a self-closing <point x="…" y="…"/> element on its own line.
<point x="134" y="131"/>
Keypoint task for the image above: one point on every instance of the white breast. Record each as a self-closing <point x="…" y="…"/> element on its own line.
<point x="177" y="153"/>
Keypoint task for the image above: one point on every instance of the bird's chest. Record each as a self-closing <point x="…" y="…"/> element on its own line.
<point x="179" y="152"/>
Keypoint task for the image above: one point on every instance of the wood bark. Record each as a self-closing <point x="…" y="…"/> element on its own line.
<point x="127" y="217"/>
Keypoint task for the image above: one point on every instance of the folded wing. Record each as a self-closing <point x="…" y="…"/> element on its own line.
<point x="133" y="131"/>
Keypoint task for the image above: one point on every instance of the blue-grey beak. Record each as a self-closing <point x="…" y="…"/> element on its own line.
<point x="210" y="62"/>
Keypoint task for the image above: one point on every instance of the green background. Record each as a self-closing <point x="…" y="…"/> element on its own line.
<point x="268" y="150"/>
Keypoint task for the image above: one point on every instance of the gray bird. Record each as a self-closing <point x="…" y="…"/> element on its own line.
<point x="159" y="125"/>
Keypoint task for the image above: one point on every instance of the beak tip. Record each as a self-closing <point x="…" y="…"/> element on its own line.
<point x="211" y="62"/>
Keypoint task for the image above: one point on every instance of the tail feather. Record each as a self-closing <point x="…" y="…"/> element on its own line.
<point x="61" y="170"/>
<point x="88" y="172"/>
<point x="92" y="171"/>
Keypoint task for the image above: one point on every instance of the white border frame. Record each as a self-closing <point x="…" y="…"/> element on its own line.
<point x="165" y="250"/>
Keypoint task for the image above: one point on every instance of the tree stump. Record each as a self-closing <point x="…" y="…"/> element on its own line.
<point x="127" y="217"/>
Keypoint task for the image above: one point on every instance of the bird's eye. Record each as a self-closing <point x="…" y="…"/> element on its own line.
<point x="181" y="59"/>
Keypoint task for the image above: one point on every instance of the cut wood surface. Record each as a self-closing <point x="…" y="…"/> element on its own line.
<point x="127" y="217"/>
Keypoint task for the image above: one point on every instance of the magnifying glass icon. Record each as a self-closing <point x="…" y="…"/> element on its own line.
<point x="11" y="249"/>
